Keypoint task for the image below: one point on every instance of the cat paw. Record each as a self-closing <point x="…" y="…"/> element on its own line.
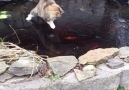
<point x="29" y="17"/>
<point x="51" y="24"/>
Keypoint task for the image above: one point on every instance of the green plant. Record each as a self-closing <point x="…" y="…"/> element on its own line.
<point x="120" y="88"/>
<point x="4" y="14"/>
<point x="53" y="77"/>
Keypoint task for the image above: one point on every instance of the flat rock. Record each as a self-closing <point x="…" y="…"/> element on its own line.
<point x="24" y="66"/>
<point x="62" y="64"/>
<point x="124" y="52"/>
<point x="97" y="56"/>
<point x="3" y="67"/>
<point x="80" y="75"/>
<point x="88" y="72"/>
<point x="115" y="63"/>
<point x="5" y="76"/>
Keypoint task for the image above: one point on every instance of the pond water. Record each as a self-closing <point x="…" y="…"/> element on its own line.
<point x="85" y="25"/>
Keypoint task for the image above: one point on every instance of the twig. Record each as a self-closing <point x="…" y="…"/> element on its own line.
<point x="15" y="34"/>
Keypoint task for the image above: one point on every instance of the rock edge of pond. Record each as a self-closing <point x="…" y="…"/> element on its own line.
<point x="98" y="69"/>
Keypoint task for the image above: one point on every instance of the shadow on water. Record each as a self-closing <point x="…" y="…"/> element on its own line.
<point x="85" y="25"/>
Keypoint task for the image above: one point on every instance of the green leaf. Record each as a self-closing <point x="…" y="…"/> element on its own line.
<point x="4" y="14"/>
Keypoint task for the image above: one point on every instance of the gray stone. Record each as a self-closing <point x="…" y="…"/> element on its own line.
<point x="88" y="72"/>
<point x="24" y="66"/>
<point x="62" y="64"/>
<point x="110" y="82"/>
<point x="3" y="67"/>
<point x="80" y="75"/>
<point x="70" y="78"/>
<point x="5" y="76"/>
<point x="124" y="81"/>
<point x="104" y="68"/>
<point x="105" y="81"/>
<point x="126" y="59"/>
<point x="115" y="63"/>
<point x="97" y="56"/>
<point x="36" y="84"/>
<point x="99" y="82"/>
<point x="125" y="77"/>
<point x="124" y="52"/>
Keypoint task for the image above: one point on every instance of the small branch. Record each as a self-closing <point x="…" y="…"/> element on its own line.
<point x="15" y="34"/>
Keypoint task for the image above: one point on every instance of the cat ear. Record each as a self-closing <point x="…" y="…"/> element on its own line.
<point x="61" y="10"/>
<point x="51" y="24"/>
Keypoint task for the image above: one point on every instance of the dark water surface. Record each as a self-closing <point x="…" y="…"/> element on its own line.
<point x="85" y="25"/>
